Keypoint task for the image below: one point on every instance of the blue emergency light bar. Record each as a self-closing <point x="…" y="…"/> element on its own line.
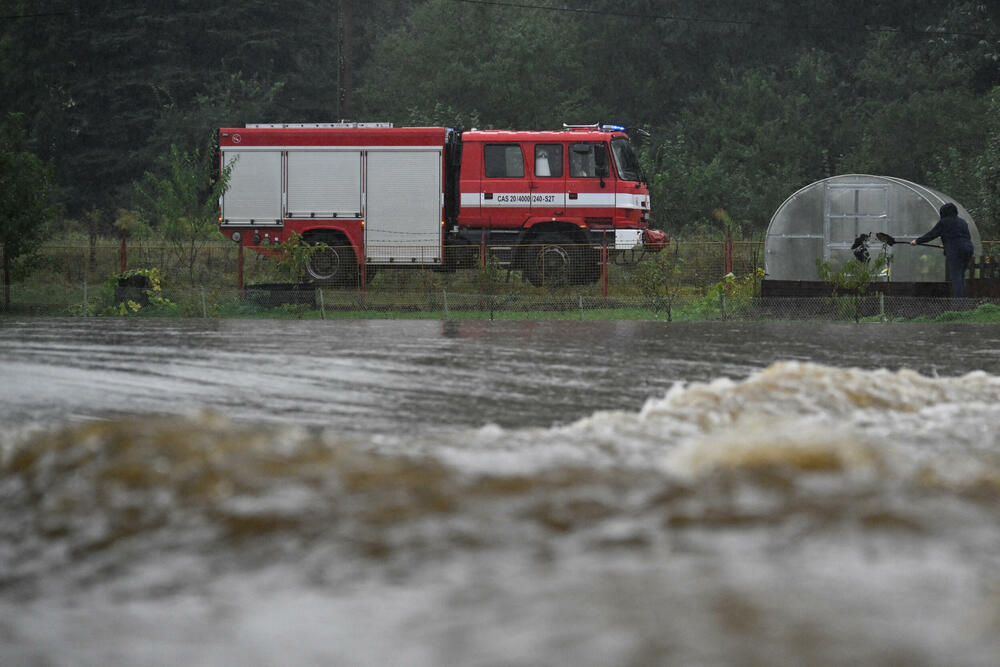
<point x="596" y="126"/>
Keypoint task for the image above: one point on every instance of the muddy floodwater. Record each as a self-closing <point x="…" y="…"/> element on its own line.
<point x="250" y="492"/>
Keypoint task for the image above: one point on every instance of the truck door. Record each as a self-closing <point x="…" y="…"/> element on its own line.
<point x="548" y="182"/>
<point x="470" y="209"/>
<point x="506" y="189"/>
<point x="590" y="188"/>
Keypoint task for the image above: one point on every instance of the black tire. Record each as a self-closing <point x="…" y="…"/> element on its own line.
<point x="331" y="262"/>
<point x="554" y="262"/>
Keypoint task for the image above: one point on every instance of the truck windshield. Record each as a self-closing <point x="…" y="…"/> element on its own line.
<point x="626" y="161"/>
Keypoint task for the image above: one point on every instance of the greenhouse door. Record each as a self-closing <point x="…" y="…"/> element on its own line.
<point x="851" y="210"/>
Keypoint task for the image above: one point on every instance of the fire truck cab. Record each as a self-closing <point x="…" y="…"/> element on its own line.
<point x="559" y="198"/>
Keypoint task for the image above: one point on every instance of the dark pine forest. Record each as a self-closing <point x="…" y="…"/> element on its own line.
<point x="745" y="102"/>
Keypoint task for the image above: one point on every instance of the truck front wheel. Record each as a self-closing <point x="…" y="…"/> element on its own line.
<point x="554" y="262"/>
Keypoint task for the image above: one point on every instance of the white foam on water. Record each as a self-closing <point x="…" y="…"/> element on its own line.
<point x="896" y="424"/>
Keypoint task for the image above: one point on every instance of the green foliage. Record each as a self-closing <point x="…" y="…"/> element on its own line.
<point x="523" y="69"/>
<point x="129" y="224"/>
<point x="745" y="107"/>
<point x="25" y="186"/>
<point x="759" y="139"/>
<point x="95" y="222"/>
<point x="25" y="206"/>
<point x="987" y="312"/>
<point x="971" y="175"/>
<point x="986" y="201"/>
<point x="490" y="278"/>
<point x="182" y="204"/>
<point x="850" y="281"/>
<point x="136" y="301"/>
<point x="684" y="187"/>
<point x="725" y="297"/>
<point x="658" y="279"/>
<point x="228" y="101"/>
<point x="152" y="275"/>
<point x="292" y="256"/>
<point x="854" y="276"/>
<point x="904" y="93"/>
<point x="443" y="115"/>
<point x="741" y="288"/>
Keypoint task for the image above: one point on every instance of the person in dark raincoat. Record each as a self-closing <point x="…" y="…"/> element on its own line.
<point x="954" y="234"/>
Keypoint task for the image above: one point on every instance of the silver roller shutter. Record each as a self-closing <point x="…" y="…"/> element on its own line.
<point x="403" y="223"/>
<point x="324" y="184"/>
<point x="254" y="193"/>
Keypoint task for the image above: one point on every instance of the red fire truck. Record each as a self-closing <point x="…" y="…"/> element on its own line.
<point x="546" y="203"/>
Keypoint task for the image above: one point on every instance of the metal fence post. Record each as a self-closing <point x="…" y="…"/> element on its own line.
<point x="444" y="296"/>
<point x="728" y="252"/>
<point x="604" y="266"/>
<point x="581" y="307"/>
<point x="322" y="308"/>
<point x="204" y="308"/>
<point x="85" y="307"/>
<point x="722" y="299"/>
<point x="881" y="305"/>
<point x="239" y="268"/>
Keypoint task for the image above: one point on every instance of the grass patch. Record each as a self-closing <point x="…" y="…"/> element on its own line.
<point x="986" y="312"/>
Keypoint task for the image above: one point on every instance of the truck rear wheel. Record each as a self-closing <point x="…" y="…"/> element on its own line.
<point x="555" y="262"/>
<point x="331" y="262"/>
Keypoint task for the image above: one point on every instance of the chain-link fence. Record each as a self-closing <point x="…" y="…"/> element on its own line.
<point x="685" y="281"/>
<point x="697" y="264"/>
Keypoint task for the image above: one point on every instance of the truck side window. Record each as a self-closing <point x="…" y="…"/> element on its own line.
<point x="503" y="161"/>
<point x="581" y="161"/>
<point x="548" y="160"/>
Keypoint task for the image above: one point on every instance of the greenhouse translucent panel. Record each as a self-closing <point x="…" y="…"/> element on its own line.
<point x="843" y="230"/>
<point x="793" y="258"/>
<point x="801" y="214"/>
<point x="861" y="201"/>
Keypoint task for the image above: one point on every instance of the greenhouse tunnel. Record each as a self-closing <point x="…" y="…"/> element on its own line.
<point x="822" y="220"/>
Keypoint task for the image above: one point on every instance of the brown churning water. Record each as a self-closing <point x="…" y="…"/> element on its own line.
<point x="806" y="514"/>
